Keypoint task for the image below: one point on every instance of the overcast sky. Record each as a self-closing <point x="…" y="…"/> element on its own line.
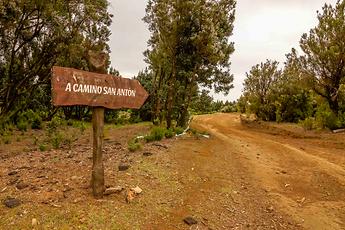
<point x="264" y="29"/>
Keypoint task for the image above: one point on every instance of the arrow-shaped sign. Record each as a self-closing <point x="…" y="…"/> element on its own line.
<point x="76" y="87"/>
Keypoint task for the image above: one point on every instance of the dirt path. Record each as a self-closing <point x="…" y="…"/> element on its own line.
<point x="245" y="178"/>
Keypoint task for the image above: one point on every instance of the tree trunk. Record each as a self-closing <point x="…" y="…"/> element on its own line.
<point x="154" y="96"/>
<point x="157" y="97"/>
<point x="182" y="122"/>
<point x="334" y="105"/>
<point x="170" y="100"/>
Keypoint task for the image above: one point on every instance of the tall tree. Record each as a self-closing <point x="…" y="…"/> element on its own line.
<point x="36" y="34"/>
<point x="189" y="46"/>
<point x="323" y="61"/>
<point x="258" y="86"/>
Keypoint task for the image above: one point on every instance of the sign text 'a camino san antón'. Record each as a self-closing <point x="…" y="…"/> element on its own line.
<point x="76" y="87"/>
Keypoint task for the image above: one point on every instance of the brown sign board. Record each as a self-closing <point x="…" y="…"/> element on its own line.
<point x="76" y="87"/>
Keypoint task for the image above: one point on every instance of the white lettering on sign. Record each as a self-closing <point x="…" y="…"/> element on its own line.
<point x="68" y="87"/>
<point x="94" y="89"/>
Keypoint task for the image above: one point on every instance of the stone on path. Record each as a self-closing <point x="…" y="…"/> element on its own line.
<point x="190" y="220"/>
<point x="11" y="202"/>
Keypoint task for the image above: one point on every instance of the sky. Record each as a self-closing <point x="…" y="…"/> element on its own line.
<point x="264" y="29"/>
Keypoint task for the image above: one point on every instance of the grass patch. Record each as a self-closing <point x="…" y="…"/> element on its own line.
<point x="42" y="147"/>
<point x="157" y="133"/>
<point x="169" y="133"/>
<point x="6" y="140"/>
<point x="134" y="145"/>
<point x="178" y="130"/>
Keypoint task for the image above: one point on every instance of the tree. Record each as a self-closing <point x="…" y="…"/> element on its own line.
<point x="35" y="35"/>
<point x="189" y="46"/>
<point x="323" y="60"/>
<point x="291" y="94"/>
<point x="203" y="103"/>
<point x="258" y="87"/>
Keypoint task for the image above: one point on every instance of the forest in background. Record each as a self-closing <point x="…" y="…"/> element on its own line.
<point x="188" y="57"/>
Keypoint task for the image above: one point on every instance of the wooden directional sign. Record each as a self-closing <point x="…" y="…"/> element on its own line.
<point x="76" y="87"/>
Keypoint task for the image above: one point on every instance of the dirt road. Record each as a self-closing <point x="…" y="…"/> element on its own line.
<point x="260" y="177"/>
<point x="245" y="176"/>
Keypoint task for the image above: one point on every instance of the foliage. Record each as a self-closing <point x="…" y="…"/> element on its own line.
<point x="308" y="123"/>
<point x="202" y="103"/>
<point x="54" y="124"/>
<point x="178" y="130"/>
<point x="156" y="134"/>
<point x="310" y="89"/>
<point x="323" y="60"/>
<point x="36" y="122"/>
<point x="169" y="133"/>
<point x="22" y="125"/>
<point x="258" y="88"/>
<point x="134" y="145"/>
<point x="34" y="36"/>
<point x="42" y="147"/>
<point x="326" y="118"/>
<point x="6" y="139"/>
<point x="56" y="140"/>
<point x="188" y="48"/>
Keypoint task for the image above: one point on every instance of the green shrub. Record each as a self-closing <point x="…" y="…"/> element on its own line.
<point x="178" y="130"/>
<point x="133" y="146"/>
<point x="69" y="122"/>
<point x="82" y="127"/>
<point x="135" y="118"/>
<point x="157" y="133"/>
<point x="123" y="117"/>
<point x="35" y="140"/>
<point x="42" y="147"/>
<point x="55" y="123"/>
<point x="36" y="122"/>
<point x="22" y="125"/>
<point x="169" y="133"/>
<point x="308" y="123"/>
<point x="56" y="140"/>
<point x="78" y="124"/>
<point x="325" y="118"/>
<point x="6" y="140"/>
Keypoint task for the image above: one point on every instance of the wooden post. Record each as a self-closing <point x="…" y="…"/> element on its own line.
<point x="97" y="180"/>
<point x="63" y="95"/>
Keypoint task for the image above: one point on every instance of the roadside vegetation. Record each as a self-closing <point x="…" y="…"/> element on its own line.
<point x="310" y="88"/>
<point x="187" y="57"/>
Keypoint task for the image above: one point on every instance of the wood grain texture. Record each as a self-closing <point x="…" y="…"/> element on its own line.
<point x="62" y="76"/>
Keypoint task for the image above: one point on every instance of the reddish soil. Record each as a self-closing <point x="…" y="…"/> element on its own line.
<point x="245" y="176"/>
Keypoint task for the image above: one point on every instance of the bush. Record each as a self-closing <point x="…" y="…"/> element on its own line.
<point x="22" y="125"/>
<point x="56" y="140"/>
<point x="78" y="124"/>
<point x="308" y="123"/>
<point x="36" y="122"/>
<point x="178" y="130"/>
<point x="157" y="133"/>
<point x="169" y="133"/>
<point x="134" y="145"/>
<point x="42" y="147"/>
<point x="123" y="117"/>
<point x="52" y="125"/>
<point x="29" y="118"/>
<point x="325" y="118"/>
<point x="69" y="122"/>
<point x="6" y="140"/>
